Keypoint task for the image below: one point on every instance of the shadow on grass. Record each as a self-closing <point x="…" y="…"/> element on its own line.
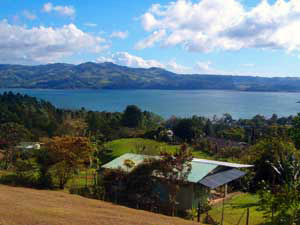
<point x="243" y="205"/>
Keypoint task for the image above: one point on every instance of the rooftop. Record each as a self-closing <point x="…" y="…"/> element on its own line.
<point x="214" y="171"/>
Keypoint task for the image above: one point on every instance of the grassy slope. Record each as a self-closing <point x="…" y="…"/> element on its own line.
<point x="235" y="207"/>
<point x="20" y="206"/>
<point x="125" y="145"/>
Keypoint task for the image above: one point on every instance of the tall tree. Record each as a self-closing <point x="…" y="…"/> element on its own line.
<point x="132" y="117"/>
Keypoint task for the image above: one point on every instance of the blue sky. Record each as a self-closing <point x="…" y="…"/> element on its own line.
<point x="208" y="36"/>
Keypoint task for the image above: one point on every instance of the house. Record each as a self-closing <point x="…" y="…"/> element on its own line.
<point x="29" y="146"/>
<point x="204" y="175"/>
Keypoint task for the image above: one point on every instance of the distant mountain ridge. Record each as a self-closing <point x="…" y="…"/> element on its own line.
<point x="111" y="76"/>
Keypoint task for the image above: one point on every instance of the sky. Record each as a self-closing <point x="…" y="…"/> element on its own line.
<point x="236" y="37"/>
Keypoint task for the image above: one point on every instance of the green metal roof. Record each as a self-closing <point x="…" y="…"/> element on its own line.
<point x="200" y="170"/>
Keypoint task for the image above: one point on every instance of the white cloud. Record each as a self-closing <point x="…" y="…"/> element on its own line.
<point x="150" y="41"/>
<point x="207" y="67"/>
<point x="29" y="15"/>
<point x="126" y="59"/>
<point x="204" y="66"/>
<point x="90" y="24"/>
<point x="119" y="34"/>
<point x="63" y="10"/>
<point x="19" y="44"/>
<point x="177" y="68"/>
<point x="210" y="25"/>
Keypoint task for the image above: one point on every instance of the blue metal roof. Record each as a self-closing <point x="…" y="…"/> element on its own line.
<point x="220" y="178"/>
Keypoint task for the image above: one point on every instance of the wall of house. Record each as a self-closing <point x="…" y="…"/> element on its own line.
<point x="185" y="197"/>
<point x="190" y="195"/>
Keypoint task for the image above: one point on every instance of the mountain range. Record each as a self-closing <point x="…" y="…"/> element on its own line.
<point x="111" y="76"/>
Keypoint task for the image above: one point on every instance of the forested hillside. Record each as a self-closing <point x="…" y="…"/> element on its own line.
<point x="112" y="76"/>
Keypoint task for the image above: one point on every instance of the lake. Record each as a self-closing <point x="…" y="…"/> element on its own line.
<point x="181" y="103"/>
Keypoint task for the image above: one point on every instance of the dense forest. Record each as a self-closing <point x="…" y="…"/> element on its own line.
<point x="111" y="76"/>
<point x="74" y="139"/>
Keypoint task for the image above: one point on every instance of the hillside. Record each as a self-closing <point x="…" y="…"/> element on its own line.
<point x="111" y="76"/>
<point x="22" y="206"/>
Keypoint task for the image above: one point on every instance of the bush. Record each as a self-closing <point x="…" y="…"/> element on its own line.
<point x="26" y="172"/>
<point x="191" y="214"/>
<point x="96" y="192"/>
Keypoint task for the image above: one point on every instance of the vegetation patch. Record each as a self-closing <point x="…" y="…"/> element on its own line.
<point x="235" y="210"/>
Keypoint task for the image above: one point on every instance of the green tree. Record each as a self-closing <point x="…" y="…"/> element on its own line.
<point x="174" y="170"/>
<point x="281" y="202"/>
<point x="132" y="117"/>
<point x="14" y="133"/>
<point x="186" y="129"/>
<point x="295" y="130"/>
<point x="68" y="154"/>
<point x="266" y="152"/>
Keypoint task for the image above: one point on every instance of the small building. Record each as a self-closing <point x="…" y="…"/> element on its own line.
<point x="204" y="175"/>
<point x="29" y="146"/>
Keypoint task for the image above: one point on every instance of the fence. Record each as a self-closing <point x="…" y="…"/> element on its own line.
<point x="84" y="178"/>
<point x="224" y="215"/>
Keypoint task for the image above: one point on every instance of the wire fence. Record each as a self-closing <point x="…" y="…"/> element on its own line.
<point x="224" y="215"/>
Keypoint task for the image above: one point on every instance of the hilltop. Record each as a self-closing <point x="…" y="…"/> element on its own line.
<point x="30" y="207"/>
<point x="111" y="76"/>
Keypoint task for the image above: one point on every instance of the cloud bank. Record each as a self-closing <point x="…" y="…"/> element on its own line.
<point x="19" y="44"/>
<point x="210" y="25"/>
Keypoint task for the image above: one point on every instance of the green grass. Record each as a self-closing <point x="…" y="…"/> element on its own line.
<point x="130" y="145"/>
<point x="236" y="207"/>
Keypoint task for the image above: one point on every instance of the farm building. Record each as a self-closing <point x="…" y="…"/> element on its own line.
<point x="204" y="176"/>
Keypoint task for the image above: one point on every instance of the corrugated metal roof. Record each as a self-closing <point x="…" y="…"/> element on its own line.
<point x="219" y="163"/>
<point x="118" y="163"/>
<point x="200" y="167"/>
<point x="200" y="170"/>
<point x="221" y="178"/>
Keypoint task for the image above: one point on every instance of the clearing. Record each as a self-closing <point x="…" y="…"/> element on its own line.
<point x="130" y="145"/>
<point x="20" y="206"/>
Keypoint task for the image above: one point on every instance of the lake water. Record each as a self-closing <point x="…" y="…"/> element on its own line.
<point x="174" y="102"/>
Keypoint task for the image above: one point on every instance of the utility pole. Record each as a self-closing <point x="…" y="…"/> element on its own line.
<point x="247" y="218"/>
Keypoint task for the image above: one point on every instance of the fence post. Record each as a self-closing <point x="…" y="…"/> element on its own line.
<point x="248" y="214"/>
<point x="222" y="218"/>
<point x="86" y="178"/>
<point x="198" y="219"/>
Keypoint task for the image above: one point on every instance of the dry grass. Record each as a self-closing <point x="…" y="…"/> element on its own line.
<point x="23" y="206"/>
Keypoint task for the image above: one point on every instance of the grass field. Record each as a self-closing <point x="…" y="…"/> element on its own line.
<point x="23" y="206"/>
<point x="129" y="145"/>
<point x="236" y="207"/>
